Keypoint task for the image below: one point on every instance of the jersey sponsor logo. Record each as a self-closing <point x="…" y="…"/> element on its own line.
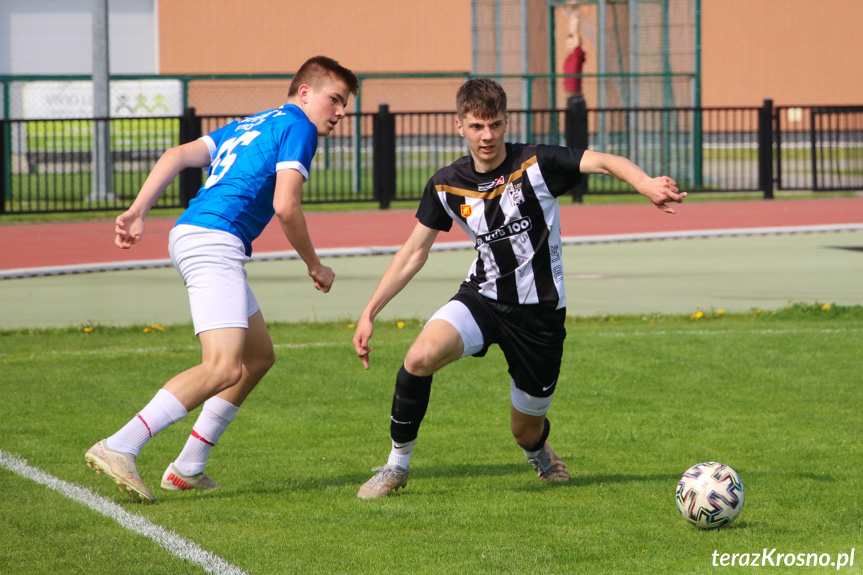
<point x="490" y="185"/>
<point x="555" y="252"/>
<point x="515" y="194"/>
<point x="258" y="119"/>
<point x="513" y="228"/>
<point x="466" y="210"/>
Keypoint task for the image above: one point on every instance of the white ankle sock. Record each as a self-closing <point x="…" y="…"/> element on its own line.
<point x="400" y="456"/>
<point x="163" y="410"/>
<point x="530" y="454"/>
<point x="215" y="417"/>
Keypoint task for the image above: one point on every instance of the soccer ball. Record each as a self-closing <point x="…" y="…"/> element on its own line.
<point x="710" y="495"/>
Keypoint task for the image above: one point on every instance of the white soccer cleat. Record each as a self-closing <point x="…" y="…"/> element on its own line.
<point x="388" y="478"/>
<point x="173" y="480"/>
<point x="548" y="466"/>
<point x="120" y="467"/>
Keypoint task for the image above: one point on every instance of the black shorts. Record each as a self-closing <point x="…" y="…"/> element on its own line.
<point x="530" y="336"/>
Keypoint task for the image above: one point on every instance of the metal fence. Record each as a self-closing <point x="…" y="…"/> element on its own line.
<point x="46" y="165"/>
<point x="819" y="147"/>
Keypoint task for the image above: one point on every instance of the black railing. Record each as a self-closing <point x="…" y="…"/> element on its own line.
<point x="820" y="147"/>
<point x="46" y="165"/>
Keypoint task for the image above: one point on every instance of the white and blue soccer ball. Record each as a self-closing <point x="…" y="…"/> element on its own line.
<point x="710" y="495"/>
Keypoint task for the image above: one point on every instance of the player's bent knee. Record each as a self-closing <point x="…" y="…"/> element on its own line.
<point x="426" y="356"/>
<point x="270" y="361"/>
<point x="422" y="360"/>
<point x="231" y="378"/>
<point x="261" y="364"/>
<point x="222" y="375"/>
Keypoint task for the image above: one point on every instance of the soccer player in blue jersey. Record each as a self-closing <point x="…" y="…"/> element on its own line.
<point x="257" y="167"/>
<point x="504" y="196"/>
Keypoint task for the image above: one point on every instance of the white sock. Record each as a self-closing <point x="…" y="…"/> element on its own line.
<point x="530" y="454"/>
<point x="163" y="410"/>
<point x="400" y="456"/>
<point x="215" y="417"/>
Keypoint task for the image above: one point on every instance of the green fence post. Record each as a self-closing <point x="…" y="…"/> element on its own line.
<point x="697" y="134"/>
<point x="357" y="138"/>
<point x="528" y="106"/>
<point x="552" y="60"/>
<point x="554" y="125"/>
<point x="6" y="155"/>
<point x="184" y="82"/>
<point x="5" y="167"/>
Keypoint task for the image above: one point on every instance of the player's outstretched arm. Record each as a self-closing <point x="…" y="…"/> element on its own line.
<point x="129" y="226"/>
<point x="286" y="202"/>
<point x="410" y="259"/>
<point x="660" y="191"/>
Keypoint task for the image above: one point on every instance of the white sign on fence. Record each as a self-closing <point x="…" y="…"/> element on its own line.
<point x="46" y="100"/>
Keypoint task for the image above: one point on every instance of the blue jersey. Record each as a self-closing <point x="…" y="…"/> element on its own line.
<point x="238" y="194"/>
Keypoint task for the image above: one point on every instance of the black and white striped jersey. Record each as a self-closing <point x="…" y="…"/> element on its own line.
<point x="512" y="216"/>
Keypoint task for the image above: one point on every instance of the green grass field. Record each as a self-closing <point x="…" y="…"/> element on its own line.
<point x="776" y="395"/>
<point x="126" y="133"/>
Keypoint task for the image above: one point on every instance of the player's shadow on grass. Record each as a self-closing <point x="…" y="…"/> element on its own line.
<point x="513" y="470"/>
<point x="522" y="474"/>
<point x="580" y="480"/>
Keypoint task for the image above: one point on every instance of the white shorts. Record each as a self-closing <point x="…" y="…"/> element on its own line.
<point x="459" y="316"/>
<point x="211" y="263"/>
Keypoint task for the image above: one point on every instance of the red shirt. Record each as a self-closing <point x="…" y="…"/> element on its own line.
<point x="573" y="65"/>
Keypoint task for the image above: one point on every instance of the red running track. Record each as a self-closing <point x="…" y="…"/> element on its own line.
<point x="73" y="243"/>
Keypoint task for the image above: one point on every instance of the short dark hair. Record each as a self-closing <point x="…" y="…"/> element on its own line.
<point x="315" y="70"/>
<point x="482" y="97"/>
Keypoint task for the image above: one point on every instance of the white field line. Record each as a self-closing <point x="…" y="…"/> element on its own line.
<point x="442" y="247"/>
<point x="187" y="348"/>
<point x="676" y="333"/>
<point x="170" y="541"/>
<point x="54" y="352"/>
<point x="659" y="333"/>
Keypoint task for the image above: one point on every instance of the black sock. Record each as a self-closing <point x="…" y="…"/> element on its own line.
<point x="410" y="401"/>
<point x="541" y="443"/>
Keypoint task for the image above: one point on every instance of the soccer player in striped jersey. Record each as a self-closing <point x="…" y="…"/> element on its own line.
<point x="257" y="167"/>
<point x="504" y="196"/>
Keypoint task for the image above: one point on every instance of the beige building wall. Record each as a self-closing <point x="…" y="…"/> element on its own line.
<point x="794" y="51"/>
<point x="276" y="36"/>
<point x="797" y="52"/>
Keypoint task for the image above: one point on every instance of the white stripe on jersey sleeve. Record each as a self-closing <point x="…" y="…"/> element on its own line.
<point x="211" y="145"/>
<point x="294" y="166"/>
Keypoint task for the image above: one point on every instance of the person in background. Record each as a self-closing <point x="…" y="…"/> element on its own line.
<point x="575" y="57"/>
